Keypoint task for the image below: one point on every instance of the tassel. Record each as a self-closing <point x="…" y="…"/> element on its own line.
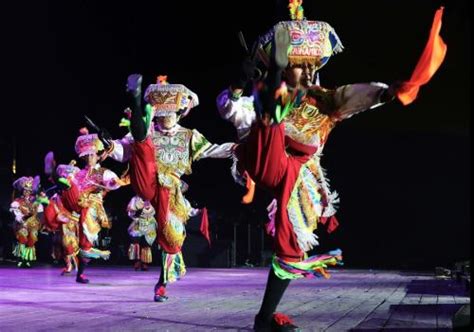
<point x="332" y="223"/>
<point x="296" y="9"/>
<point x="248" y="197"/>
<point x="124" y="123"/>
<point x="162" y="79"/>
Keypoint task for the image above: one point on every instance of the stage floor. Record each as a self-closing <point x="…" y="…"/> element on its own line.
<point x="120" y="299"/>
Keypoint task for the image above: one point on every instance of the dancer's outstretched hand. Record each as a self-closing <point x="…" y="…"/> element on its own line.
<point x="391" y="92"/>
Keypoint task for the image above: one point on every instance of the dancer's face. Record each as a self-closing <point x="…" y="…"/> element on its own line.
<point x="91" y="159"/>
<point x="168" y="121"/>
<point x="147" y="206"/>
<point x="300" y="76"/>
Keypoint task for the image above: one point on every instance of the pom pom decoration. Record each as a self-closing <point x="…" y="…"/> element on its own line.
<point x="296" y="9"/>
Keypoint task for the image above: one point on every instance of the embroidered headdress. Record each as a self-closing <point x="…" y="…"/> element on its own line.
<point x="312" y="42"/>
<point x="166" y="98"/>
<point x="26" y="183"/>
<point x="88" y="143"/>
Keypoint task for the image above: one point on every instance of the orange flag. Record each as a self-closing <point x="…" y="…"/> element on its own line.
<point x="204" y="228"/>
<point x="429" y="62"/>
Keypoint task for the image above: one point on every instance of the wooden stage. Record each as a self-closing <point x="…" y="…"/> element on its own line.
<point x="120" y="299"/>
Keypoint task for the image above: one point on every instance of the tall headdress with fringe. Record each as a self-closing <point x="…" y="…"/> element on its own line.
<point x="26" y="183"/>
<point x="312" y="42"/>
<point x="87" y="144"/>
<point x="166" y="98"/>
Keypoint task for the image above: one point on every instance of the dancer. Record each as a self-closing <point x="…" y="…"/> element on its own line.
<point x="160" y="152"/>
<point x="27" y="209"/>
<point x="142" y="231"/>
<point x="81" y="201"/>
<point x="62" y="222"/>
<point x="283" y="129"/>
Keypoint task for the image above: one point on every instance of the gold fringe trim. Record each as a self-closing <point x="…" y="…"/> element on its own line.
<point x="172" y="237"/>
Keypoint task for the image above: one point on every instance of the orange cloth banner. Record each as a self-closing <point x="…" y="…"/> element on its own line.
<point x="429" y="62"/>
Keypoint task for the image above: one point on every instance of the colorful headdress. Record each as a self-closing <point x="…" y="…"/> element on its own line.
<point x="26" y="183"/>
<point x="67" y="170"/>
<point x="312" y="42"/>
<point x="168" y="98"/>
<point x="88" y="143"/>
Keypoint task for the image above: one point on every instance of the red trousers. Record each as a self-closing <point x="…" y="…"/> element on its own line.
<point x="143" y="178"/>
<point x="28" y="241"/>
<point x="273" y="161"/>
<point x="70" y="200"/>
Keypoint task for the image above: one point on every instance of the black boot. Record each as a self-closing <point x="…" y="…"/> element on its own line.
<point x="160" y="288"/>
<point x="279" y="323"/>
<point x="134" y="91"/>
<point x="266" y="104"/>
<point x="80" y="278"/>
<point x="280" y="47"/>
<point x="160" y="293"/>
<point x="266" y="319"/>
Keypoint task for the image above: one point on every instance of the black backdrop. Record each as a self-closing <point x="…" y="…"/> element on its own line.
<point x="402" y="172"/>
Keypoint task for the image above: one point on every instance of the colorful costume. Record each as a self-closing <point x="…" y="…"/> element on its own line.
<point x="142" y="230"/>
<point x="63" y="223"/>
<point x="81" y="201"/>
<point x="26" y="209"/>
<point x="285" y="157"/>
<point x="66" y="223"/>
<point x="281" y="149"/>
<point x="305" y="199"/>
<point x="159" y="156"/>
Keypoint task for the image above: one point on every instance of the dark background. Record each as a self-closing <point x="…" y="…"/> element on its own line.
<point x="402" y="172"/>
